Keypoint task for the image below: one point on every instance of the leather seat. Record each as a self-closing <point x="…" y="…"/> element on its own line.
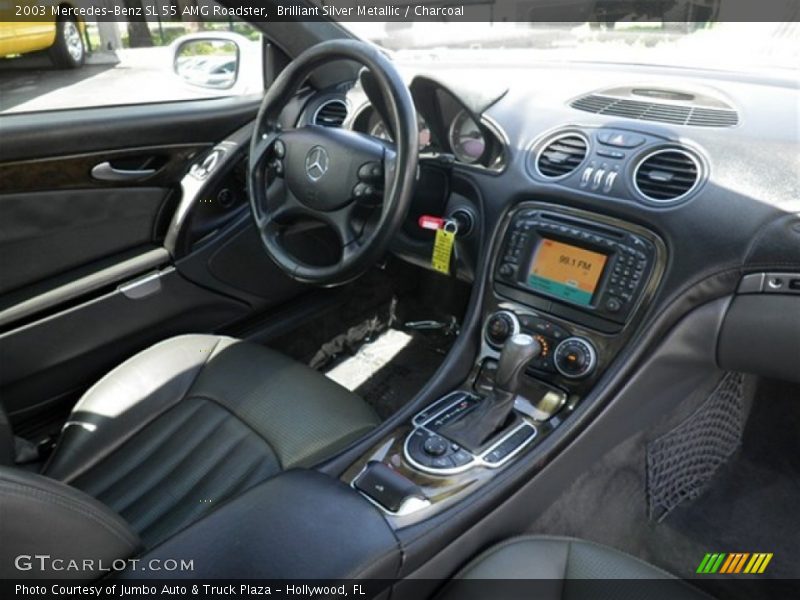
<point x="550" y="568"/>
<point x="179" y="429"/>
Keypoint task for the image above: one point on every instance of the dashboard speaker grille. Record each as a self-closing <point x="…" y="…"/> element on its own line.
<point x="561" y="155"/>
<point x="656" y="111"/>
<point x="667" y="175"/>
<point x="331" y="114"/>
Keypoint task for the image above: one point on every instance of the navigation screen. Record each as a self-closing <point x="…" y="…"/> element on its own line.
<point x="566" y="271"/>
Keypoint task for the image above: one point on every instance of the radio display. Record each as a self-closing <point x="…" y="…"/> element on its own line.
<point x="566" y="271"/>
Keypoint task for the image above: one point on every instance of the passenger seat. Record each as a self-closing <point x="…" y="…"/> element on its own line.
<point x="558" y="567"/>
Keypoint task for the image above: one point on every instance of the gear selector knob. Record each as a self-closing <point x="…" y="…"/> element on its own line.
<point x="518" y="351"/>
<point x="476" y="427"/>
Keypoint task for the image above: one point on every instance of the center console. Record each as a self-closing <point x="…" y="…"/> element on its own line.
<point x="565" y="290"/>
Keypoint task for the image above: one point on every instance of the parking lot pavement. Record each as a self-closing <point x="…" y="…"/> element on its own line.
<point x="140" y="76"/>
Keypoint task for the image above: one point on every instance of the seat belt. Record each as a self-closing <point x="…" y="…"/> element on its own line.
<point x="7" y="443"/>
<point x="25" y="451"/>
<point x="15" y="450"/>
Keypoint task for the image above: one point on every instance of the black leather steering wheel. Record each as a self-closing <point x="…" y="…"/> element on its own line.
<point x="326" y="173"/>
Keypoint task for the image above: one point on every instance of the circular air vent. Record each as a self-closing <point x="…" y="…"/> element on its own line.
<point x="331" y="113"/>
<point x="667" y="175"/>
<point x="561" y="155"/>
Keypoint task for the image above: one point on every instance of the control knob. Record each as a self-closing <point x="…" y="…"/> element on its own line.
<point x="500" y="326"/>
<point x="575" y="358"/>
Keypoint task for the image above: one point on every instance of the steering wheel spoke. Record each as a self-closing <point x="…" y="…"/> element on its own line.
<point x="284" y="206"/>
<point x="351" y="251"/>
<point x="262" y="144"/>
<point x="269" y="152"/>
<point x="342" y="223"/>
<point x="389" y="164"/>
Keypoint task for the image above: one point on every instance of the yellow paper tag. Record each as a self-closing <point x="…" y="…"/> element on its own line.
<point x="442" y="250"/>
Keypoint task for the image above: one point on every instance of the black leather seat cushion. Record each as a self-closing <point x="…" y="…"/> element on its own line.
<point x="550" y="568"/>
<point x="193" y="421"/>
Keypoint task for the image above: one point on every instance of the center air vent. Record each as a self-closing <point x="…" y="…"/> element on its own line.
<point x="331" y="113"/>
<point x="667" y="175"/>
<point x="561" y="155"/>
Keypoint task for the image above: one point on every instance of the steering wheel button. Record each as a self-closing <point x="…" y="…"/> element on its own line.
<point x="277" y="167"/>
<point x="370" y="171"/>
<point x="365" y="171"/>
<point x="279" y="149"/>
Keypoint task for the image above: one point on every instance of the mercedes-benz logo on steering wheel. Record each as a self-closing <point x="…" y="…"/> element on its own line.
<point x="316" y="163"/>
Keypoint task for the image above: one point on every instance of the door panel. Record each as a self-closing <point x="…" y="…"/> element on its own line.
<point x="85" y="279"/>
<point x="70" y="132"/>
<point x="43" y="234"/>
<point x="156" y="166"/>
<point x="74" y="347"/>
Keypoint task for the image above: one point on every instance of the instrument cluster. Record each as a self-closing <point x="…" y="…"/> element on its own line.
<point x="445" y="125"/>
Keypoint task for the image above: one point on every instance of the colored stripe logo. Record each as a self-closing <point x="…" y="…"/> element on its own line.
<point x="734" y="563"/>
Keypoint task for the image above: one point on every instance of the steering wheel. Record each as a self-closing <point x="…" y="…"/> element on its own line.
<point x="326" y="173"/>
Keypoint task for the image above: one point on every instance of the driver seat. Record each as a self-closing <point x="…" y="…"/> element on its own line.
<point x="178" y="429"/>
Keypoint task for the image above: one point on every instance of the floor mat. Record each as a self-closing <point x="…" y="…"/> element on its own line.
<point x="751" y="506"/>
<point x="386" y="340"/>
<point x="388" y="371"/>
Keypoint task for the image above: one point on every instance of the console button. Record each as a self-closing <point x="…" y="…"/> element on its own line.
<point x="510" y="445"/>
<point x="435" y="446"/>
<point x="461" y="458"/>
<point x="506" y="270"/>
<point x="543" y="363"/>
<point x="598" y="176"/>
<point x="586" y="176"/>
<point x="610" y="179"/>
<point x="618" y="154"/>
<point x="493" y="457"/>
<point x="613" y="305"/>
<point x="442" y="462"/>
<point x="619" y="139"/>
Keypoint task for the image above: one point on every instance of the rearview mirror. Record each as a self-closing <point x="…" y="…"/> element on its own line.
<point x="207" y="62"/>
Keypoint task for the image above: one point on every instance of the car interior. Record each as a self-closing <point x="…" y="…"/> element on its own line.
<point x="409" y="326"/>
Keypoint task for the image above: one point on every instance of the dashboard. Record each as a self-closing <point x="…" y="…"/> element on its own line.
<point x="705" y="160"/>
<point x="641" y="183"/>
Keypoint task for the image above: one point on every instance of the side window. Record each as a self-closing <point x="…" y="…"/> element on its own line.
<point x="56" y="59"/>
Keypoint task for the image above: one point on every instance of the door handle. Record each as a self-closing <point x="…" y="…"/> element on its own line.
<point x="105" y="172"/>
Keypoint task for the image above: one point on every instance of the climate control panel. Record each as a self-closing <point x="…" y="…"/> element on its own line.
<point x="563" y="353"/>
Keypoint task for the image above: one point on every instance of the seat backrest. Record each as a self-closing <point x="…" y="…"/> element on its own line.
<point x="42" y="516"/>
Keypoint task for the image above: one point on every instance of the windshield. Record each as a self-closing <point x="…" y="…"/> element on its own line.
<point x="726" y="46"/>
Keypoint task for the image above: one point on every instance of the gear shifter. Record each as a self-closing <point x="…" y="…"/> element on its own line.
<point x="518" y="351"/>
<point x="478" y="425"/>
